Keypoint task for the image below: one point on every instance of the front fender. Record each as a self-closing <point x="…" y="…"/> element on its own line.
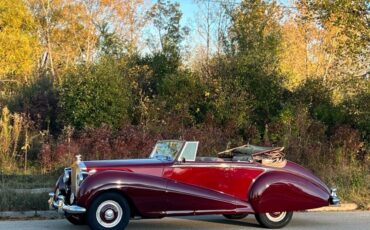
<point x="133" y="186"/>
<point x="278" y="191"/>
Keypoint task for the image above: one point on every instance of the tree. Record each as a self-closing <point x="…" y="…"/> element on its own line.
<point x="358" y="108"/>
<point x="96" y="95"/>
<point x="19" y="46"/>
<point x="302" y="55"/>
<point x="255" y="35"/>
<point x="255" y="38"/>
<point x="189" y="108"/>
<point x="121" y="20"/>
<point x="66" y="33"/>
<point x="212" y="22"/>
<point x="346" y="24"/>
<point x="318" y="99"/>
<point x="109" y="43"/>
<point x="166" y="18"/>
<point x="71" y="31"/>
<point x="165" y="60"/>
<point x="39" y="101"/>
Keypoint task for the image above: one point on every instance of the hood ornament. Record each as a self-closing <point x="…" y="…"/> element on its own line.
<point x="78" y="158"/>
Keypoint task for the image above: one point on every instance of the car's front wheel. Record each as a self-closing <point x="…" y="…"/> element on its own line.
<point x="108" y="211"/>
<point x="274" y="219"/>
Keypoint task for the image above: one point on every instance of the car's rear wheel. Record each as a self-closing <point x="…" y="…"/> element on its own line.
<point x="108" y="211"/>
<point x="235" y="216"/>
<point x="76" y="219"/>
<point x="274" y="219"/>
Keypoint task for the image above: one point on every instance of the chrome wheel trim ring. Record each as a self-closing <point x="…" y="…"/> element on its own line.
<point x="109" y="213"/>
<point x="276" y="216"/>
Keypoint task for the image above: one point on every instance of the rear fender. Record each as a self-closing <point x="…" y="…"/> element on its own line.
<point x="278" y="191"/>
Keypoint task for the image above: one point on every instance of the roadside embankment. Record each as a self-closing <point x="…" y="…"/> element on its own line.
<point x="336" y="208"/>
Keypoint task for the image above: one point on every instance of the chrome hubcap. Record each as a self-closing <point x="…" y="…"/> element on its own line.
<point x="109" y="213"/>
<point x="276" y="216"/>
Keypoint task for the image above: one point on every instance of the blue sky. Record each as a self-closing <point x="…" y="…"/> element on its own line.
<point x="189" y="8"/>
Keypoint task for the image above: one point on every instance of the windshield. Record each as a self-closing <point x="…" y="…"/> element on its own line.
<point x="167" y="150"/>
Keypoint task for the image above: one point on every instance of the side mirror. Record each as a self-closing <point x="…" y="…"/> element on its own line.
<point x="182" y="160"/>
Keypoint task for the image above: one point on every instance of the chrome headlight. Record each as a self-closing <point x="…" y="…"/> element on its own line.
<point x="66" y="175"/>
<point x="81" y="176"/>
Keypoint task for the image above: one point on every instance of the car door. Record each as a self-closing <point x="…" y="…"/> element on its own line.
<point x="242" y="176"/>
<point x="195" y="186"/>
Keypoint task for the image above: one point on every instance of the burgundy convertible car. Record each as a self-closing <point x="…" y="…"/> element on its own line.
<point x="173" y="181"/>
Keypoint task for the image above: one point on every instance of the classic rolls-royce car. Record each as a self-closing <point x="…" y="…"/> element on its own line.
<point x="173" y="181"/>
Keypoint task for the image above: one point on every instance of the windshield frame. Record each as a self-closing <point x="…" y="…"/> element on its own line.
<point x="166" y="158"/>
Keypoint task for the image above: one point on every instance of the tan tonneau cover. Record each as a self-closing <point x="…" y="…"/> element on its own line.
<point x="268" y="156"/>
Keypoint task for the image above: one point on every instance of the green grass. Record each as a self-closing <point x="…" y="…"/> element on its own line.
<point x="10" y="201"/>
<point x="27" y="181"/>
<point x="25" y="201"/>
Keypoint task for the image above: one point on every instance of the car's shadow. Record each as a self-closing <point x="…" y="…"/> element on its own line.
<point x="248" y="221"/>
<point x="194" y="222"/>
<point x="241" y="223"/>
<point x="218" y="222"/>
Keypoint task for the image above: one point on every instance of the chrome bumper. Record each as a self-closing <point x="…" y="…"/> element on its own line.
<point x="334" y="199"/>
<point x="62" y="207"/>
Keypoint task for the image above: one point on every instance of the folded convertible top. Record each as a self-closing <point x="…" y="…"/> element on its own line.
<point x="269" y="156"/>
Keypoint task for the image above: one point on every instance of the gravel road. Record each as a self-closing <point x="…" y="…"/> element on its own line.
<point x="356" y="220"/>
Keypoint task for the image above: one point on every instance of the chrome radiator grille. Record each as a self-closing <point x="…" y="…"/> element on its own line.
<point x="74" y="174"/>
<point x="78" y="168"/>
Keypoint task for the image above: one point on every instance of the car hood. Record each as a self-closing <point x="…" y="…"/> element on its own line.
<point x="121" y="164"/>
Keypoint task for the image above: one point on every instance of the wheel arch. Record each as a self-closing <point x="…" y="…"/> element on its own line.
<point x="130" y="185"/>
<point x="133" y="210"/>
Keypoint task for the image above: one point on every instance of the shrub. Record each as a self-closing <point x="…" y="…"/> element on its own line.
<point x="91" y="96"/>
<point x="39" y="101"/>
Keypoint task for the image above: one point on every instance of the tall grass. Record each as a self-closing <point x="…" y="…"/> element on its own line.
<point x="10" y="201"/>
<point x="11" y="126"/>
<point x="15" y="193"/>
